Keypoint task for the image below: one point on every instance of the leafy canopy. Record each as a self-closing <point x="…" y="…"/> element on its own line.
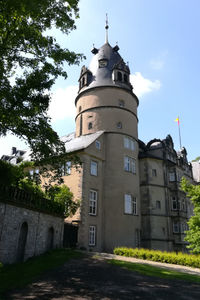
<point x="30" y="62"/>
<point x="193" y="234"/>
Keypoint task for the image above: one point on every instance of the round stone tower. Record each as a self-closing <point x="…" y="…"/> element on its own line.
<point x="106" y="103"/>
<point x="105" y="100"/>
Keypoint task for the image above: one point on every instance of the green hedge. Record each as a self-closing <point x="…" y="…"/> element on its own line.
<point x="160" y="256"/>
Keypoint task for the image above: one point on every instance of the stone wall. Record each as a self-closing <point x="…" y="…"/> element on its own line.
<point x="25" y="233"/>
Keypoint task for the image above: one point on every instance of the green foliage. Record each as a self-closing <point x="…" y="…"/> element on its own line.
<point x="32" y="269"/>
<point x="31" y="187"/>
<point x="10" y="174"/>
<point x="54" y="199"/>
<point x="196" y="159"/>
<point x="160" y="256"/>
<point x="149" y="270"/>
<point x="193" y="234"/>
<point x="31" y="60"/>
<point x="63" y="195"/>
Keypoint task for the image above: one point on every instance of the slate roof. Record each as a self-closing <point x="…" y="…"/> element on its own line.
<point x="103" y="76"/>
<point x="74" y="144"/>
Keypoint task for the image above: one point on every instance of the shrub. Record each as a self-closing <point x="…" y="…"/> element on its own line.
<point x="160" y="256"/>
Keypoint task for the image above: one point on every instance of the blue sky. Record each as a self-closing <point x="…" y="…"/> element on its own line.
<point x="161" y="41"/>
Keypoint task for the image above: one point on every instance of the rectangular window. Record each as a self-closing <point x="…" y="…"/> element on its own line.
<point x="66" y="169"/>
<point x="174" y="203"/>
<point x="176" y="227"/>
<point x="158" y="204"/>
<point x="92" y="235"/>
<point x="93" y="168"/>
<point x="98" y="144"/>
<point x="129" y="143"/>
<point x="129" y="164"/>
<point x="93" y="203"/>
<point x="172" y="176"/>
<point x="128" y="204"/>
<point x="154" y="172"/>
<point x="134" y="206"/>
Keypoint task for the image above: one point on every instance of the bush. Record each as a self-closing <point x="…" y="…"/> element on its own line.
<point x="160" y="256"/>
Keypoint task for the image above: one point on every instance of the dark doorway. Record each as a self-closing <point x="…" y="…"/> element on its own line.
<point x="70" y="235"/>
<point x="50" y="238"/>
<point x="22" y="242"/>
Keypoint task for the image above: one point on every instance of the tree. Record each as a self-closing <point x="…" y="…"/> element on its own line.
<point x="193" y="234"/>
<point x="197" y="158"/>
<point x="30" y="62"/>
<point x="63" y="195"/>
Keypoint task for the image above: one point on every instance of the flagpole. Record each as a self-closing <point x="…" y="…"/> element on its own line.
<point x="179" y="131"/>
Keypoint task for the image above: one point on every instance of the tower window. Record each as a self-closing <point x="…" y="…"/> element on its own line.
<point x="79" y="109"/>
<point x="103" y="63"/>
<point x="129" y="143"/>
<point x="121" y="103"/>
<point x="119" y="125"/>
<point x="83" y="81"/>
<point x="119" y="76"/>
<point x="125" y="78"/>
<point x="93" y="168"/>
<point x="90" y="125"/>
<point x="93" y="202"/>
<point x="158" y="204"/>
<point x="154" y="172"/>
<point x="129" y="164"/>
<point x="98" y="144"/>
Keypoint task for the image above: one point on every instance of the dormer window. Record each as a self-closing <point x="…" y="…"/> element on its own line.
<point x="103" y="63"/>
<point x="119" y="76"/>
<point x="125" y="78"/>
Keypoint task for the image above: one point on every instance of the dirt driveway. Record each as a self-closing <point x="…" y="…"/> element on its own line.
<point x="89" y="278"/>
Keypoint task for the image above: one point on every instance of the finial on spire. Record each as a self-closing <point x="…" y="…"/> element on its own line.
<point x="106" y="27"/>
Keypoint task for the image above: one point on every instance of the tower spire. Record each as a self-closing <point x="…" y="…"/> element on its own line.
<point x="106" y="27"/>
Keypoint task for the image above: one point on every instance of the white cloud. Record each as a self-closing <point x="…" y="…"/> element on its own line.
<point x="143" y="85"/>
<point x="62" y="104"/>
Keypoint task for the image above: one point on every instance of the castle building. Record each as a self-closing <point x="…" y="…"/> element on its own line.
<point x="130" y="191"/>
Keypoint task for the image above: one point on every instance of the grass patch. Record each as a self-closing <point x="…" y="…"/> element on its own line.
<point x="149" y="270"/>
<point x="21" y="274"/>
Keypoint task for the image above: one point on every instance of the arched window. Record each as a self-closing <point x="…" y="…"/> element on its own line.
<point x="22" y="242"/>
<point x="90" y="125"/>
<point x="119" y="76"/>
<point x="125" y="78"/>
<point x="50" y="239"/>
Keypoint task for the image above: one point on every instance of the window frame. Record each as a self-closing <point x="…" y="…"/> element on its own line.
<point x="130" y="202"/>
<point x="93" y="202"/>
<point x="97" y="142"/>
<point x="129" y="211"/>
<point x="172" y="177"/>
<point x="92" y="162"/>
<point x="129" y="164"/>
<point x="129" y="143"/>
<point x="92" y="235"/>
<point x="176" y="227"/>
<point x="174" y="201"/>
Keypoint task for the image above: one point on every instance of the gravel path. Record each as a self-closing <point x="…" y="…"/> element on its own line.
<point x="93" y="278"/>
